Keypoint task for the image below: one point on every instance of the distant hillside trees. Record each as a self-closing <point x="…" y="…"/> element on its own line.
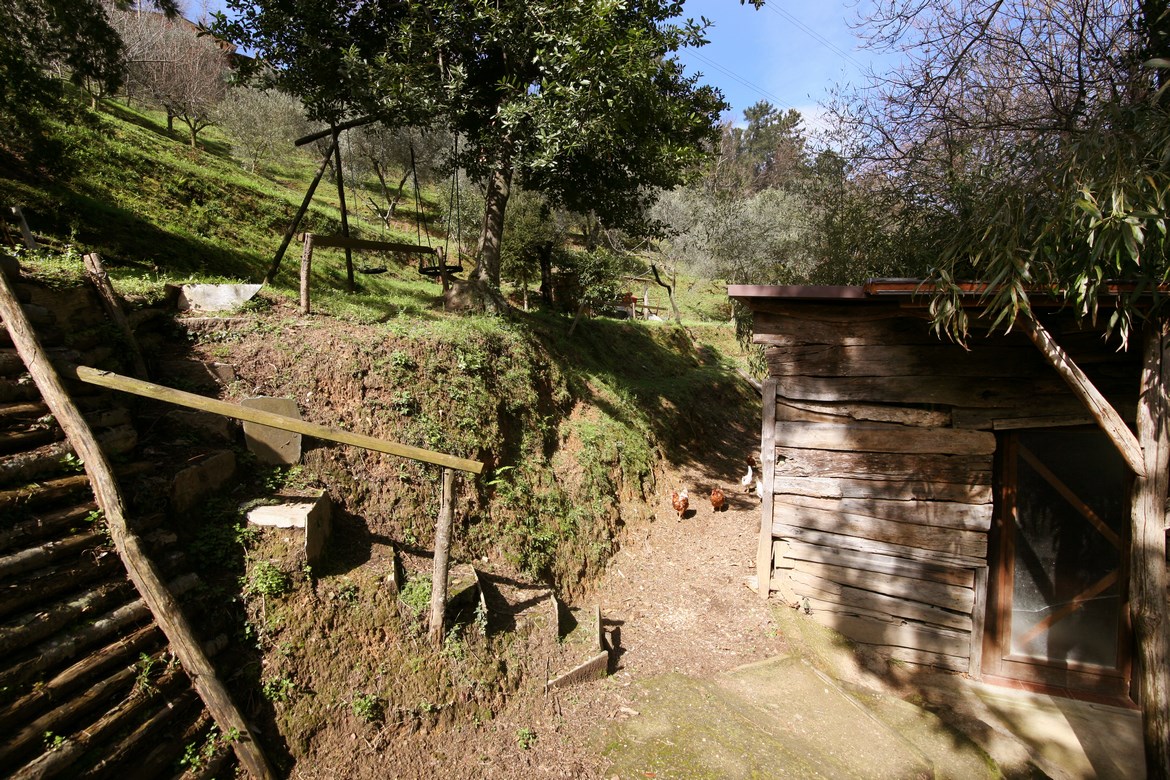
<point x="262" y="123"/>
<point x="174" y="67"/>
<point x="768" y="209"/>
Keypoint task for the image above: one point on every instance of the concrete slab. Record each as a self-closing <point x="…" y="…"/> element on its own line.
<point x="312" y="515"/>
<point x="272" y="445"/>
<point x="781" y="718"/>
<point x="215" y="297"/>
<point x="1068" y="738"/>
<point x="194" y="482"/>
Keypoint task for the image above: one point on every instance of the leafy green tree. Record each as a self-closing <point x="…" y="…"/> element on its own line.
<point x="768" y="152"/>
<point x="584" y="100"/>
<point x="533" y="233"/>
<point x="599" y="275"/>
<point x="261" y="123"/>
<point x="45" y="42"/>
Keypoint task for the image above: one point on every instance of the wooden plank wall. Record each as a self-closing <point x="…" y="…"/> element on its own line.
<point x="884" y="444"/>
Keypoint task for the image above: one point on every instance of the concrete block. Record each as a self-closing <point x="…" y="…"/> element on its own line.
<point x="312" y="514"/>
<point x="204" y="423"/>
<point x="272" y="445"/>
<point x="215" y="297"/>
<point x="193" y="483"/>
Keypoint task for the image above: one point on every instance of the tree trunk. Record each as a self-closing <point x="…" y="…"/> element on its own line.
<point x="1148" y="553"/>
<point x="546" y="282"/>
<point x="487" y="269"/>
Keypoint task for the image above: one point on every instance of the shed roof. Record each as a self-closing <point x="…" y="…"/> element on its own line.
<point x="898" y="290"/>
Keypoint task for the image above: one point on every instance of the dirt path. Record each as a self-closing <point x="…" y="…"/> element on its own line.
<point x="675" y="594"/>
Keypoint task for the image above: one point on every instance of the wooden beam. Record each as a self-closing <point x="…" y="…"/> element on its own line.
<point x="292" y="228"/>
<point x="306" y="269"/>
<point x="113" y="306"/>
<point x="768" y="472"/>
<point x="442" y="552"/>
<point x="143" y="573"/>
<point x="180" y="398"/>
<point x="344" y="212"/>
<point x="341" y="242"/>
<point x="1102" y="411"/>
<point x="1147" y="578"/>
<point x="317" y="136"/>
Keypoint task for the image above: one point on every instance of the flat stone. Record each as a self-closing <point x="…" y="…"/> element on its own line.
<point x="272" y="445"/>
<point x="216" y="297"/>
<point x="193" y="483"/>
<point x="314" y="515"/>
<point x="204" y="423"/>
<point x="10" y="267"/>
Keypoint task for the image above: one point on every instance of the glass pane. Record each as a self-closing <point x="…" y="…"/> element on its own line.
<point x="1060" y="557"/>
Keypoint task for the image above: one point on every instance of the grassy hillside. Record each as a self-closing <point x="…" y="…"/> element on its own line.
<point x="625" y="398"/>
<point x="580" y="435"/>
<point x="158" y="211"/>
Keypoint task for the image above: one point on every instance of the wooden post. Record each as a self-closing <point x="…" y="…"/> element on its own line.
<point x="25" y="233"/>
<point x="1147" y="590"/>
<point x="142" y="571"/>
<point x="292" y="229"/>
<point x="768" y="475"/>
<point x="306" y="267"/>
<point x="113" y="306"/>
<point x="442" y="550"/>
<point x="344" y="216"/>
<point x="1098" y="406"/>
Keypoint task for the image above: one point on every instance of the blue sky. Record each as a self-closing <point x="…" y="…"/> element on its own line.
<point x="790" y="52"/>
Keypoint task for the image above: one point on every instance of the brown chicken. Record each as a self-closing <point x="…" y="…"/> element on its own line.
<point x="680" y="502"/>
<point x="718" y="501"/>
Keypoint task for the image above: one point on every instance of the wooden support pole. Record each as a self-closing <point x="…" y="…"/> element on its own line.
<point x="143" y="573"/>
<point x="1147" y="589"/>
<point x="25" y="233"/>
<point x="181" y="398"/>
<point x="344" y="216"/>
<point x="292" y="228"/>
<point x="306" y="268"/>
<point x="768" y="472"/>
<point x="442" y="552"/>
<point x="113" y="306"/>
<point x="1098" y="406"/>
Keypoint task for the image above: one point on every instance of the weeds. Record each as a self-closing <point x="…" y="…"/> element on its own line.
<point x="368" y="707"/>
<point x="146" y="666"/>
<point x="416" y="594"/>
<point x="525" y="737"/>
<point x="278" y="689"/>
<point x="268" y="580"/>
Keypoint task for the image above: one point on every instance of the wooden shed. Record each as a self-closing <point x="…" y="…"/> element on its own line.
<point x="952" y="507"/>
